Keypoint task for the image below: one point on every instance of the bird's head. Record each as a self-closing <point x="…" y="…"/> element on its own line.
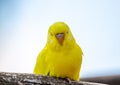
<point x="59" y="35"/>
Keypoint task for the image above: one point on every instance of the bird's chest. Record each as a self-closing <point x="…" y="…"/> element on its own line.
<point x="63" y="62"/>
<point x="61" y="58"/>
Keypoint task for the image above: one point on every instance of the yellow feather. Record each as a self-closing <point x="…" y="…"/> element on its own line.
<point x="60" y="60"/>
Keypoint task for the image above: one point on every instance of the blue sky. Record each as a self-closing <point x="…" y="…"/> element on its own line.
<point x="95" y="25"/>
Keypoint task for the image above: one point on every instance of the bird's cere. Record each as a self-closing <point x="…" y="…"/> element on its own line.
<point x="60" y="37"/>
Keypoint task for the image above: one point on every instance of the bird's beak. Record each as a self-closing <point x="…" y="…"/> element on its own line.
<point x="60" y="37"/>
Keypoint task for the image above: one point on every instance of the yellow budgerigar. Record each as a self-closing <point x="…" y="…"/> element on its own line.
<point x="61" y="56"/>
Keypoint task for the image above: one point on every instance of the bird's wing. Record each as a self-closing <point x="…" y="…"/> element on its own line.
<point x="41" y="66"/>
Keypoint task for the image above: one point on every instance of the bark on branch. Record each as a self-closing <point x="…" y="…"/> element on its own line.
<point x="32" y="79"/>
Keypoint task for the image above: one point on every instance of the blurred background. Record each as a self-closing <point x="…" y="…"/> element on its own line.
<point x="95" y="25"/>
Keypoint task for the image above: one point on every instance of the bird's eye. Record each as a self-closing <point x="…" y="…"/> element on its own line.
<point x="51" y="34"/>
<point x="67" y="32"/>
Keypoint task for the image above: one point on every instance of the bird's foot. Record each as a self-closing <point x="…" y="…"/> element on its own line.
<point x="68" y="80"/>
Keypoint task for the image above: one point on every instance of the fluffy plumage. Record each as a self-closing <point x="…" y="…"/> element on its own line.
<point x="61" y="56"/>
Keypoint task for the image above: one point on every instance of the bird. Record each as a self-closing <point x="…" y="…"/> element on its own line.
<point x="62" y="56"/>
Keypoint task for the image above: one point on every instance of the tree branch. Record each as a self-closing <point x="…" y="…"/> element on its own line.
<point x="32" y="79"/>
